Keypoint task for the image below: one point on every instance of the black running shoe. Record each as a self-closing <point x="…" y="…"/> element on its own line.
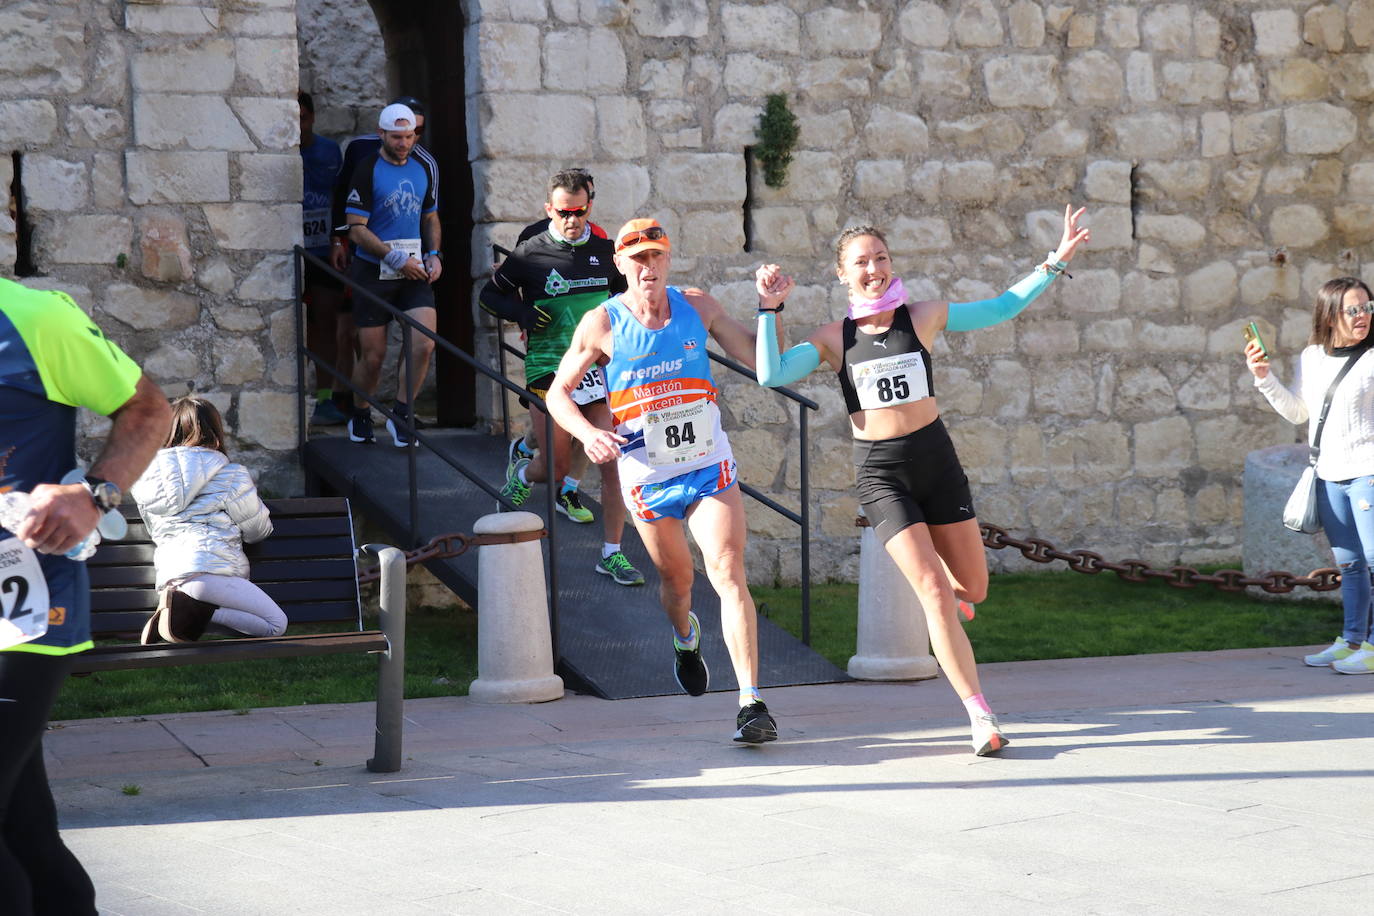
<point x="690" y="667"/>
<point x="400" y="432"/>
<point x="360" y="428"/>
<point x="754" y="725"/>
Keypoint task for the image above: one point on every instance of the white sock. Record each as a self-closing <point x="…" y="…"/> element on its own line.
<point x="749" y="695"/>
<point x="607" y="548"/>
<point x="520" y="472"/>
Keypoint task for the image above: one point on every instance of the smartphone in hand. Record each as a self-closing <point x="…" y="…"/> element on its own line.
<point x="1251" y="332"/>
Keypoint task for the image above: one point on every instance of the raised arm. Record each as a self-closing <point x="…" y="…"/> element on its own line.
<point x="969" y="316"/>
<point x="773" y="367"/>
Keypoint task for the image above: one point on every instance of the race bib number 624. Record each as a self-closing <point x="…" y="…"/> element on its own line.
<point x="23" y="594"/>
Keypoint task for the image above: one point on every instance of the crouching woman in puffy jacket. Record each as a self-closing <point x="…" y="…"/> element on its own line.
<point x="200" y="509"/>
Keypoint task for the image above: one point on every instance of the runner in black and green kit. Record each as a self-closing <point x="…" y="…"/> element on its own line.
<point x="547" y="284"/>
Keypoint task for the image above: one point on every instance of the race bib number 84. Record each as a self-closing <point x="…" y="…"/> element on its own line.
<point x="23" y="594"/>
<point x="890" y="380"/>
<point x="678" y="435"/>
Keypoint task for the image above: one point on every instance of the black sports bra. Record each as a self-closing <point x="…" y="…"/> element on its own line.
<point x="886" y="369"/>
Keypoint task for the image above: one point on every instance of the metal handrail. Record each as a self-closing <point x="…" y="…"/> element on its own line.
<point x="408" y="327"/>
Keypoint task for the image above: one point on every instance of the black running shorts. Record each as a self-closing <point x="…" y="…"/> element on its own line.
<point x="911" y="479"/>
<point x="400" y="294"/>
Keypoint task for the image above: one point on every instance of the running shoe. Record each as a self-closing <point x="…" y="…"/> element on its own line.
<point x="514" y="452"/>
<point x="1335" y="652"/>
<point x="400" y="434"/>
<point x="360" y="427"/>
<point x="618" y="567"/>
<point x="568" y="504"/>
<point x="1361" y="661"/>
<point x="987" y="735"/>
<point x="966" y="610"/>
<point x="754" y="725"/>
<point x="516" y="490"/>
<point x="327" y="413"/>
<point x="689" y="667"/>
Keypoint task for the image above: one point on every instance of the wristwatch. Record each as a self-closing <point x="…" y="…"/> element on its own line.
<point x="104" y="494"/>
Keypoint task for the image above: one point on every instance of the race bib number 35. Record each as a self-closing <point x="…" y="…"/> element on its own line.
<point x="679" y="435"/>
<point x="23" y="594"/>
<point x="890" y="380"/>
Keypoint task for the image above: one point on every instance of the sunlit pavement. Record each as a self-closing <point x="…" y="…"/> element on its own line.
<point x="1227" y="782"/>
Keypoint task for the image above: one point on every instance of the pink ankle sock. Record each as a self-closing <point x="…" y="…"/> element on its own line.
<point x="976" y="705"/>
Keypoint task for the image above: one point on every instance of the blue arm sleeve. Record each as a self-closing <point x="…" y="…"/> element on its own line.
<point x="774" y="368"/>
<point x="969" y="316"/>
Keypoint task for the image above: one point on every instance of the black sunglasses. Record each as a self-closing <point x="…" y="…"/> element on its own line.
<point x="568" y="214"/>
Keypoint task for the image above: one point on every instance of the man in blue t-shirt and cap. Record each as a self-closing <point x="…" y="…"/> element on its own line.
<point x="393" y="219"/>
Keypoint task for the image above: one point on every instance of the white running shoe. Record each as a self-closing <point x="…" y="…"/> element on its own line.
<point x="987" y="735"/>
<point x="1335" y="652"/>
<point x="1361" y="661"/>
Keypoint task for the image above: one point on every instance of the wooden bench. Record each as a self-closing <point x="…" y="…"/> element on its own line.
<point x="309" y="567"/>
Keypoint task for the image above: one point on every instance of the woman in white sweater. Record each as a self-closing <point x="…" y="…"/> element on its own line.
<point x="1341" y="319"/>
<point x="200" y="509"/>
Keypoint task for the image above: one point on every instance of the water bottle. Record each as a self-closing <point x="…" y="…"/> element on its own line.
<point x="15" y="505"/>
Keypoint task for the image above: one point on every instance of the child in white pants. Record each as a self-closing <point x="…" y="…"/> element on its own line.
<point x="200" y="509"/>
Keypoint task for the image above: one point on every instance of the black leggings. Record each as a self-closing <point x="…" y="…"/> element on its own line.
<point x="38" y="873"/>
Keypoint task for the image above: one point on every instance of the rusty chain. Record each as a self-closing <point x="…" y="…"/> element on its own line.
<point x="443" y="547"/>
<point x="1038" y="550"/>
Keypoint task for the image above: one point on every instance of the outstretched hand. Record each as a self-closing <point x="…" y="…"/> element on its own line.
<point x="1073" y="234"/>
<point x="773" y="285"/>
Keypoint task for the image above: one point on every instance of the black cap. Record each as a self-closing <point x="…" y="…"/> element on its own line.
<point x="410" y="102"/>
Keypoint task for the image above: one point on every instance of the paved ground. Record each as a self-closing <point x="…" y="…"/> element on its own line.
<point x="1193" y="783"/>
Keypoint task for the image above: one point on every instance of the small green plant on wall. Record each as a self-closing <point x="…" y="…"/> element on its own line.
<point x="777" y="138"/>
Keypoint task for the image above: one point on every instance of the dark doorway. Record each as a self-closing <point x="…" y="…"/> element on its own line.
<point x="424" y="58"/>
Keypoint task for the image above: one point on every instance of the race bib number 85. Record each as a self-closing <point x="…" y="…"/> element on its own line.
<point x="23" y="594"/>
<point x="890" y="381"/>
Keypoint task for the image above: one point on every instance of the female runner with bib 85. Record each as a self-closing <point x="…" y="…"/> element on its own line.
<point x="909" y="479"/>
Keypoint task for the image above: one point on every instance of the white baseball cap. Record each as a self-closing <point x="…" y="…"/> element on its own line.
<point x="396" y="117"/>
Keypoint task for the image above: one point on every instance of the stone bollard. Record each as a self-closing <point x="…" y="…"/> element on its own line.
<point x="514" y="647"/>
<point x="1270" y="475"/>
<point x="893" y="643"/>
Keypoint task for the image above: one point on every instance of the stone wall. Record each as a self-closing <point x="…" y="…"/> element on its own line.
<point x="1220" y="148"/>
<point x="343" y="65"/>
<point x="160" y="175"/>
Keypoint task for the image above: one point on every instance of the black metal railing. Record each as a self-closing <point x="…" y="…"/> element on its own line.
<point x="802" y="517"/>
<point x="409" y="327"/>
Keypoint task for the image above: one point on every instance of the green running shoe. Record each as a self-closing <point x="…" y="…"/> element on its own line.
<point x="516" y="490"/>
<point x="568" y="504"/>
<point x="618" y="568"/>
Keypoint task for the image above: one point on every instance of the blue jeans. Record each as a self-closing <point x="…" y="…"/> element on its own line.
<point x="1346" y="509"/>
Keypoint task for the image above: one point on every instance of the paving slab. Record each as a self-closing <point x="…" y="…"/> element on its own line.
<point x="1197" y="782"/>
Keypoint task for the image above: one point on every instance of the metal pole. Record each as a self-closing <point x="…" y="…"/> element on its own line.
<point x="406" y="339"/>
<point x="297" y="291"/>
<point x="805" y="527"/>
<point x="550" y="496"/>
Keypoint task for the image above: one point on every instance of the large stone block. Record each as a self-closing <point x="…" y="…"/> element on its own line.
<point x="1121" y="26"/>
<point x="831" y="30"/>
<point x="271" y="278"/>
<point x="700" y="178"/>
<point x="909" y="236"/>
<point x="879" y="178"/>
<point x="782" y="230"/>
<point x="41" y="43"/>
<point x="269" y="176"/>
<point x="1175" y="231"/>
<point x="583" y="60"/>
<point x="945" y="75"/>
<point x="1089" y="453"/>
<point x="813" y="175"/>
<point x="983" y="133"/>
<point x="735" y="126"/>
<point x="923" y="24"/>
<point x="1109" y="181"/>
<point x="27" y="123"/>
<point x="1061" y="139"/>
<point x="1211" y="289"/>
<point x="1026" y="20"/>
<point x="1022" y="81"/>
<point x="1276" y="32"/>
<point x="1216" y="134"/>
<point x="978" y="24"/>
<point x="828" y="131"/>
<point x="82" y="239"/>
<point x="241" y="226"/>
<point x="1112" y="227"/>
<point x="517" y="125"/>
<point x="164" y="248"/>
<point x="1360" y="21"/>
<point x="1355" y="222"/>
<point x="670" y="18"/>
<point x="90" y="125"/>
<point x="1164" y="447"/>
<point x="1168" y="28"/>
<point x="269" y="66"/>
<point x="1189" y="83"/>
<point x="268" y="418"/>
<point x="1297" y="225"/>
<point x="166" y="177"/>
<point x="150" y="309"/>
<point x="766" y="27"/>
<point x="1153" y="135"/>
<point x="890" y="132"/>
<point x="1298" y="80"/>
<point x="971" y="182"/>
<point x="274" y="122"/>
<point x="834" y="79"/>
<point x="714" y="232"/>
<point x="238" y="360"/>
<point x="1255" y="133"/>
<point x="171" y="20"/>
<point x="168" y="121"/>
<point x="1140" y="77"/>
<point x="55" y="184"/>
<point x="260" y="23"/>
<point x="1045" y="337"/>
<point x="1318" y="128"/>
<point x="620" y="125"/>
<point x="1270" y="282"/>
<point x="1094" y="78"/>
<point x="502" y="57"/>
<point x="751" y="76"/>
<point x="204" y="66"/>
<point x="172" y="364"/>
<point x="1093" y="291"/>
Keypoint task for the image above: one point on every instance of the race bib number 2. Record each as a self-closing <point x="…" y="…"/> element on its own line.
<point x="678" y="435"/>
<point x="23" y="594"/>
<point x="890" y="380"/>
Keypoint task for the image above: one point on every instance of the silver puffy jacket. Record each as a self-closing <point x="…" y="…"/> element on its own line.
<point x="200" y="510"/>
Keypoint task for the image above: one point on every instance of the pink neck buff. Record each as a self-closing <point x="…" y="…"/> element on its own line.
<point x="889" y="300"/>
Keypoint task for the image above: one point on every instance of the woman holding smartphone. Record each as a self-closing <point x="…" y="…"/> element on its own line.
<point x="1341" y="319"/>
<point x="910" y="483"/>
